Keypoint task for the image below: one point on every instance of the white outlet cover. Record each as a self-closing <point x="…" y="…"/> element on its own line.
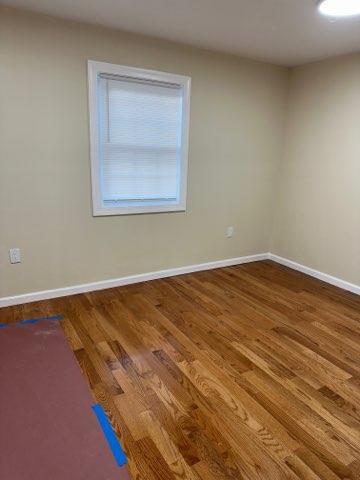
<point x="229" y="232"/>
<point x="15" y="256"/>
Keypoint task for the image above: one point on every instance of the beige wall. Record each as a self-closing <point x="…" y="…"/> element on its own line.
<point x="317" y="219"/>
<point x="236" y="134"/>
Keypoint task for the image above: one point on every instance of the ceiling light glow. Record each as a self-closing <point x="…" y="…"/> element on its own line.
<point x="339" y="8"/>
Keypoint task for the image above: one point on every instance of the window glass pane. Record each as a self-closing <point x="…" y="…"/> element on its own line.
<point x="140" y="141"/>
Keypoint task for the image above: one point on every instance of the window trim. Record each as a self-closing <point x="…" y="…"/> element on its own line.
<point x="94" y="69"/>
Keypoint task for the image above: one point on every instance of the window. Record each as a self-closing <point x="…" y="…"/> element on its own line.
<point x="139" y="126"/>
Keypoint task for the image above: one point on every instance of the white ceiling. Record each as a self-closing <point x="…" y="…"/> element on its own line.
<point x="284" y="32"/>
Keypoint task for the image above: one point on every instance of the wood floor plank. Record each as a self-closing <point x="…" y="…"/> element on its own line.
<point x="242" y="373"/>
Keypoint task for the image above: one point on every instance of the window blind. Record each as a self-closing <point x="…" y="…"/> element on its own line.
<point x="140" y="140"/>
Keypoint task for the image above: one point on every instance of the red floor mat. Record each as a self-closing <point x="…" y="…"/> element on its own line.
<point x="48" y="430"/>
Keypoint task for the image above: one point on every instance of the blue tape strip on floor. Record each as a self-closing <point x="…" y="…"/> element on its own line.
<point x="110" y="435"/>
<point x="27" y="322"/>
<point x="40" y="319"/>
<point x="30" y="321"/>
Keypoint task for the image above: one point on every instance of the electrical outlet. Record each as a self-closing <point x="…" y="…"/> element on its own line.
<point x="15" y="256"/>
<point x="229" y="232"/>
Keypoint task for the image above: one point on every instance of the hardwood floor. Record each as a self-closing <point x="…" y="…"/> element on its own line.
<point x="248" y="372"/>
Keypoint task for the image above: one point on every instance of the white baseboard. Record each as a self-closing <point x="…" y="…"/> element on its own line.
<point x="338" y="282"/>
<point x="117" y="282"/>
<point x="144" y="277"/>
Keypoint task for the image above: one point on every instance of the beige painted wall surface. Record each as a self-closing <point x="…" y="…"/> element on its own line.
<point x="318" y="210"/>
<point x="236" y="133"/>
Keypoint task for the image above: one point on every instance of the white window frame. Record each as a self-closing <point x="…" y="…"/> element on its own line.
<point x="94" y="70"/>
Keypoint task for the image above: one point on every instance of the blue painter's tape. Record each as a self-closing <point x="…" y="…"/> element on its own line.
<point x="40" y="319"/>
<point x="32" y="320"/>
<point x="110" y="435"/>
<point x="28" y="322"/>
